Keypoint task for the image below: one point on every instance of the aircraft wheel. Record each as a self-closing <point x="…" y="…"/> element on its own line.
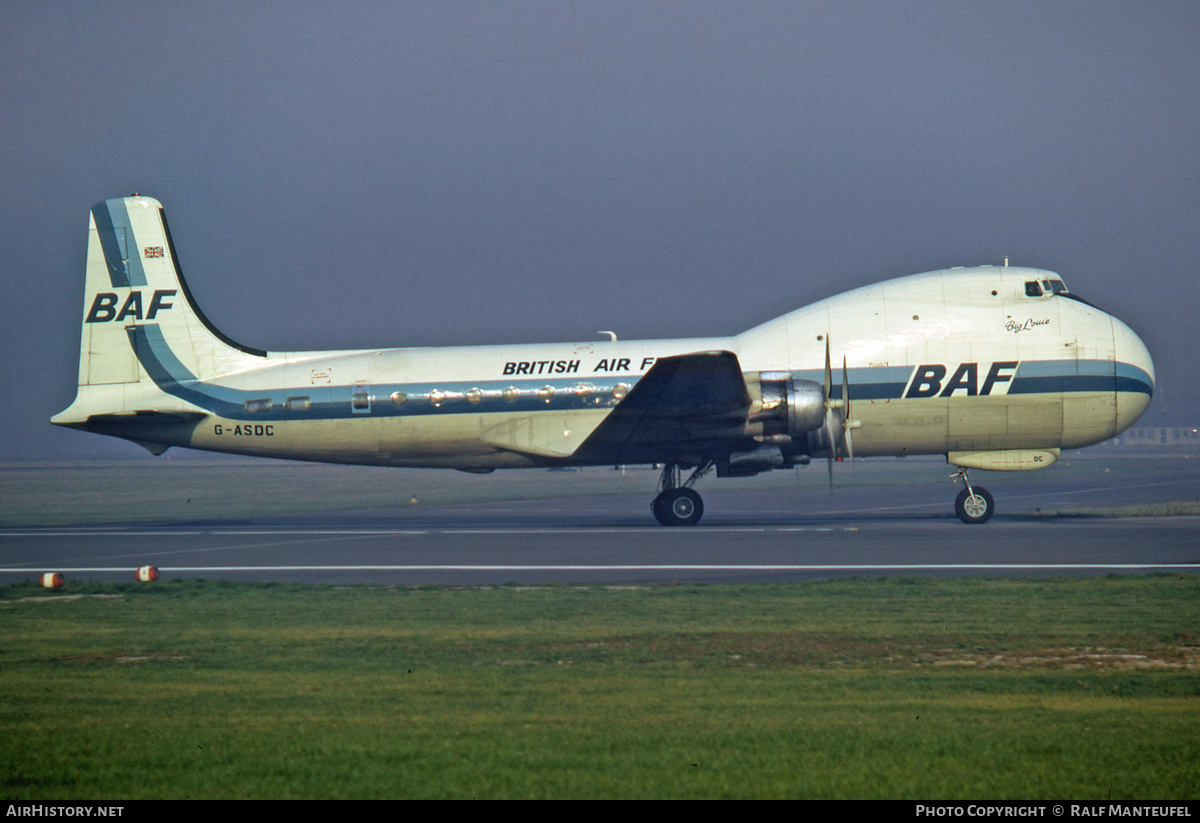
<point x="678" y="507"/>
<point x="975" y="508"/>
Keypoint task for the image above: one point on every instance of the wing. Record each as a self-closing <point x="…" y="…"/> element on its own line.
<point x="686" y="408"/>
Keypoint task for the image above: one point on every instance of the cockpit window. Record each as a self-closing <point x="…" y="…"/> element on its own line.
<point x="1034" y="288"/>
<point x="1053" y="287"/>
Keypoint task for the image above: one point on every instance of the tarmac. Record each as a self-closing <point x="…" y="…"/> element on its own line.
<point x="750" y="535"/>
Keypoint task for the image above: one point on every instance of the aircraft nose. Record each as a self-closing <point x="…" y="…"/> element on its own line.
<point x="1135" y="375"/>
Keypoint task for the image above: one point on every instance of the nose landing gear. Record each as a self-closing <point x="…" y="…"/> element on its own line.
<point x="974" y="504"/>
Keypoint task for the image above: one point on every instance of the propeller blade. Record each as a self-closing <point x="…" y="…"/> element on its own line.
<point x="830" y="405"/>
<point x="829" y="435"/>
<point x="828" y="375"/>
<point x="846" y="420"/>
<point x="845" y="391"/>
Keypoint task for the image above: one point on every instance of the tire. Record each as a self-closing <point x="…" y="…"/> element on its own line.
<point x="678" y="507"/>
<point x="656" y="506"/>
<point x="975" y="509"/>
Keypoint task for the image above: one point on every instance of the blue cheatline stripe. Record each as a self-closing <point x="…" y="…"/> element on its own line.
<point x="111" y="245"/>
<point x="869" y="391"/>
<point x="122" y="255"/>
<point x="133" y="251"/>
<point x="1053" y="376"/>
<point x="1134" y="380"/>
<point x="869" y="383"/>
<point x="174" y="378"/>
<point x="1065" y="367"/>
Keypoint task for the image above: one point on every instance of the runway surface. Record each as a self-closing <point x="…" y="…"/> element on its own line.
<point x="746" y="536"/>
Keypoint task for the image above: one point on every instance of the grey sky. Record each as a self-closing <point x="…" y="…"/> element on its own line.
<point x="394" y="174"/>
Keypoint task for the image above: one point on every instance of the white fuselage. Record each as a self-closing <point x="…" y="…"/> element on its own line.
<point x="949" y="361"/>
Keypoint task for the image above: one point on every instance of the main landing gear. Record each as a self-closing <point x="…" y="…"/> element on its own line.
<point x="974" y="503"/>
<point x="678" y="504"/>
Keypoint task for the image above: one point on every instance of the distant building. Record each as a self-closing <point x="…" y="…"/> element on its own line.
<point x="1158" y="437"/>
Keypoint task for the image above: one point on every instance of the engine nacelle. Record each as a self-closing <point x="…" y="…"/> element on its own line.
<point x="790" y="407"/>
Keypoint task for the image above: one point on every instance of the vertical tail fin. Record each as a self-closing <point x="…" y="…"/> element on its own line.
<point x="140" y="324"/>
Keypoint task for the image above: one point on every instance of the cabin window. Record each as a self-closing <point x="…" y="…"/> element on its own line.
<point x="546" y="393"/>
<point x="474" y="395"/>
<point x="620" y="390"/>
<point x="399" y="398"/>
<point x="437" y="397"/>
<point x="258" y="406"/>
<point x="297" y="404"/>
<point x="1033" y="288"/>
<point x="510" y="394"/>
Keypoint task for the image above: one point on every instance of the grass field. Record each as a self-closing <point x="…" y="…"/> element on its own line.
<point x="879" y="688"/>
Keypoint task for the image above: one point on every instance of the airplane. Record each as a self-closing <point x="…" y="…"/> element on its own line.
<point x="996" y="367"/>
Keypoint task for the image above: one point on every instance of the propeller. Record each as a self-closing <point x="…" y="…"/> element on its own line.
<point x="832" y="406"/>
